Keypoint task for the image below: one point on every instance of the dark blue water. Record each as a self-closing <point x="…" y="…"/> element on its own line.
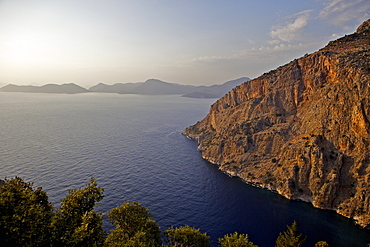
<point x="134" y="148"/>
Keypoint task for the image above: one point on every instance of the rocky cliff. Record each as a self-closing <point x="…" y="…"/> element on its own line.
<point x="301" y="130"/>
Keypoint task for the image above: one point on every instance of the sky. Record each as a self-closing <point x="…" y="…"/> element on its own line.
<point x="194" y="42"/>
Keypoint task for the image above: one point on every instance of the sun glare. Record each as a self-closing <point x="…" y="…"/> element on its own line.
<point x="25" y="48"/>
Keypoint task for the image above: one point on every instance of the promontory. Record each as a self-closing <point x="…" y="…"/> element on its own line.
<point x="302" y="130"/>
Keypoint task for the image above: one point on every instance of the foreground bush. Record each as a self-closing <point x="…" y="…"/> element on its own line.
<point x="25" y="214"/>
<point x="235" y="239"/>
<point x="133" y="226"/>
<point x="27" y="218"/>
<point x="186" y="236"/>
<point x="76" y="223"/>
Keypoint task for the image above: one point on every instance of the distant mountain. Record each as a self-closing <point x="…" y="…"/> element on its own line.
<point x="199" y="95"/>
<point x="116" y="88"/>
<point x="69" y="88"/>
<point x="149" y="87"/>
<point x="16" y="88"/>
<point x="216" y="91"/>
<point x="157" y="87"/>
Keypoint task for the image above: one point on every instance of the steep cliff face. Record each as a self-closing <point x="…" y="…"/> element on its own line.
<point x="301" y="130"/>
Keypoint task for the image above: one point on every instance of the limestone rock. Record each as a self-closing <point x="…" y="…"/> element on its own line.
<point x="364" y="27"/>
<point x="302" y="129"/>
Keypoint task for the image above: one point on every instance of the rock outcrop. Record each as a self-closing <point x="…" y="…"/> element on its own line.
<point x="302" y="130"/>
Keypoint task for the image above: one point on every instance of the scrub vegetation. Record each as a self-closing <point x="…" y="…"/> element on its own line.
<point x="27" y="218"/>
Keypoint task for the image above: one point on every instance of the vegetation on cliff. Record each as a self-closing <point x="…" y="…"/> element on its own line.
<point x="302" y="130"/>
<point x="27" y="218"/>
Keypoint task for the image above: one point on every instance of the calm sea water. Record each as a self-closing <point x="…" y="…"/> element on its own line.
<point x="133" y="146"/>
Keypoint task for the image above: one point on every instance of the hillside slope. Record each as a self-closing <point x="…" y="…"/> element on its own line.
<point x="301" y="130"/>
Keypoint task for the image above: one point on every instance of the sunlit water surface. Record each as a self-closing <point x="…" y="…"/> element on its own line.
<point x="134" y="148"/>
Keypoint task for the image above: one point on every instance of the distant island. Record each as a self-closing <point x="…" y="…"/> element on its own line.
<point x="216" y="91"/>
<point x="149" y="87"/>
<point x="69" y="88"/>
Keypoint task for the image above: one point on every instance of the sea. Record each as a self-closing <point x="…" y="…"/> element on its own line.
<point x="133" y="146"/>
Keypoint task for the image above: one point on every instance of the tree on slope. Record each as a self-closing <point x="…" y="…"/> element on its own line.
<point x="76" y="223"/>
<point x="186" y="236"/>
<point x="290" y="238"/>
<point x="25" y="214"/>
<point x="133" y="227"/>
<point x="235" y="240"/>
<point x="322" y="244"/>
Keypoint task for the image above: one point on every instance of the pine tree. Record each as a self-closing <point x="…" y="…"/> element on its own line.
<point x="76" y="223"/>
<point x="290" y="238"/>
<point x="134" y="227"/>
<point x="25" y="214"/>
<point x="322" y="244"/>
<point x="236" y="240"/>
<point x="186" y="236"/>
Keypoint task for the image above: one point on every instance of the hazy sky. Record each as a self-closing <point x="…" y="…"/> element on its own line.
<point x="188" y="42"/>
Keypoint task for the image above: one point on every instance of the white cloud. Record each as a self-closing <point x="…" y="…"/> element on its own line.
<point x="251" y="42"/>
<point x="273" y="42"/>
<point x="335" y="6"/>
<point x="293" y="30"/>
<point x="210" y="58"/>
<point x="288" y="40"/>
<point x="335" y="36"/>
<point x="341" y="12"/>
<point x="263" y="53"/>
